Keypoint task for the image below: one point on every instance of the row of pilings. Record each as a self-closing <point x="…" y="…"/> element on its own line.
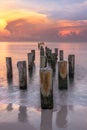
<point x="48" y="61"/>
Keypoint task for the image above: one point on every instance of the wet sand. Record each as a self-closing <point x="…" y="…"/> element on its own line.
<point x="15" y="117"/>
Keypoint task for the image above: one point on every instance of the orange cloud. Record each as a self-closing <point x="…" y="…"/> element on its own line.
<point x="26" y="25"/>
<point x="67" y="32"/>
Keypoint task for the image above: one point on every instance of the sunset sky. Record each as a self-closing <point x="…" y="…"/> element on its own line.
<point x="43" y="20"/>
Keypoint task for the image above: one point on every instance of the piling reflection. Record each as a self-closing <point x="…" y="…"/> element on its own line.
<point x="71" y="82"/>
<point x="46" y="119"/>
<point x="61" y="119"/>
<point x="22" y="115"/>
<point x="9" y="107"/>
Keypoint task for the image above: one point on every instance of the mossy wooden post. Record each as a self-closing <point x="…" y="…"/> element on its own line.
<point x="41" y="51"/>
<point x="9" y="68"/>
<point x="62" y="74"/>
<point x="71" y="62"/>
<point x="43" y="61"/>
<point x="46" y="89"/>
<point x="30" y="61"/>
<point x="22" y="74"/>
<point x="61" y="55"/>
<point x="56" y="52"/>
<point x="33" y="52"/>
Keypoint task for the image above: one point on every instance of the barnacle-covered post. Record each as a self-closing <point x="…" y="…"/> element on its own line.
<point x="61" y="55"/>
<point x="71" y="62"/>
<point x="62" y="74"/>
<point x="9" y="68"/>
<point x="46" y="89"/>
<point x="43" y="61"/>
<point x="22" y="74"/>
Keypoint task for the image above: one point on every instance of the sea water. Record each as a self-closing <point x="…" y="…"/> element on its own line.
<point x="10" y="93"/>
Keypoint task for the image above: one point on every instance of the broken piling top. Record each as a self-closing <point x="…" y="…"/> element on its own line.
<point x="62" y="74"/>
<point x="46" y="81"/>
<point x="9" y="67"/>
<point x="71" y="62"/>
<point x="21" y="65"/>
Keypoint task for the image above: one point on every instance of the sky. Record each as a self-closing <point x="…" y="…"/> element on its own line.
<point x="43" y="20"/>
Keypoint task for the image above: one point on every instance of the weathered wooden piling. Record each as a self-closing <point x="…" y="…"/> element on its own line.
<point x="22" y="74"/>
<point x="33" y="52"/>
<point x="43" y="61"/>
<point x="48" y="54"/>
<point x="71" y="62"/>
<point x="46" y="89"/>
<point x="41" y="51"/>
<point x="61" y="55"/>
<point x="9" y="68"/>
<point x="30" y="60"/>
<point x="62" y="74"/>
<point x="56" y="53"/>
<point x="53" y="61"/>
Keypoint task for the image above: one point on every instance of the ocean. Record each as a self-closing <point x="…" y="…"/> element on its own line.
<point x="76" y="95"/>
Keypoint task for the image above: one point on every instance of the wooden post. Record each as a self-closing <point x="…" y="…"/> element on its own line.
<point x="43" y="61"/>
<point x="41" y="51"/>
<point x="9" y="68"/>
<point x="46" y="89"/>
<point x="53" y="61"/>
<point x="48" y="54"/>
<point x="61" y="55"/>
<point x="62" y="74"/>
<point x="56" y="52"/>
<point x="38" y="45"/>
<point x="22" y="74"/>
<point x="46" y="50"/>
<point x="71" y="61"/>
<point x="30" y="60"/>
<point x="33" y="52"/>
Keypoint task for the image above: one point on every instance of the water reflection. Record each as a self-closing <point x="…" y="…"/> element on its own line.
<point x="71" y="82"/>
<point x="46" y="119"/>
<point x="61" y="119"/>
<point x="9" y="107"/>
<point x="22" y="115"/>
